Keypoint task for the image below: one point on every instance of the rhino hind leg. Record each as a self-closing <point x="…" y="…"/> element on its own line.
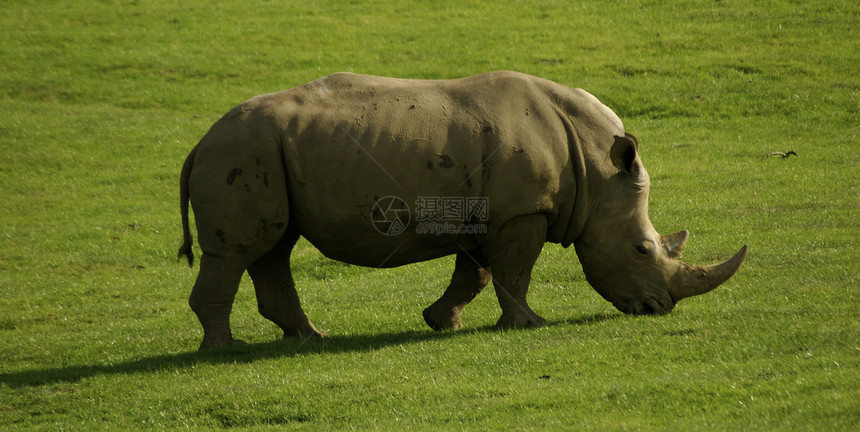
<point x="471" y="274"/>
<point x="512" y="253"/>
<point x="212" y="299"/>
<point x="277" y="299"/>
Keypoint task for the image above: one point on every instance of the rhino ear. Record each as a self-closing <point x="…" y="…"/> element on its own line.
<point x="623" y="154"/>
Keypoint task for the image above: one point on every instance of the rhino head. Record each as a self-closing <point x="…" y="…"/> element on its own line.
<point x="624" y="258"/>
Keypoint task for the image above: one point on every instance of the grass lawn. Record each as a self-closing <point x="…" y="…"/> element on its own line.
<point x="101" y="101"/>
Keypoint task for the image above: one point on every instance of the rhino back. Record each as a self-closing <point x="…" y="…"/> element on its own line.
<point x="350" y="140"/>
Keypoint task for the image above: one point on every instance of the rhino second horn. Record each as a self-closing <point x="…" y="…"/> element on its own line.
<point x="674" y="243"/>
<point x="693" y="280"/>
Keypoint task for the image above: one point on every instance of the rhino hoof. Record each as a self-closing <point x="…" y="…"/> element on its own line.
<point x="514" y="322"/>
<point x="442" y="321"/>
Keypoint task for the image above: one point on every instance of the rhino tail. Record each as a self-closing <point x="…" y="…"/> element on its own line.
<point x="187" y="241"/>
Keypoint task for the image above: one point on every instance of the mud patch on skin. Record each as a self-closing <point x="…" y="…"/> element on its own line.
<point x="264" y="177"/>
<point x="231" y="178"/>
<point x="447" y="162"/>
<point x="220" y="235"/>
<point x="263" y="226"/>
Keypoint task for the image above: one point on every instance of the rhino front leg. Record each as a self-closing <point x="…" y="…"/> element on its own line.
<point x="471" y="275"/>
<point x="277" y="299"/>
<point x="512" y="253"/>
<point x="212" y="299"/>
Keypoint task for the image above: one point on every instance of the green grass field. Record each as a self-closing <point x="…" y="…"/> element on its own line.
<point x="101" y="101"/>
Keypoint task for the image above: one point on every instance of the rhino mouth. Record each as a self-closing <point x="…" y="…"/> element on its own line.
<point x="646" y="306"/>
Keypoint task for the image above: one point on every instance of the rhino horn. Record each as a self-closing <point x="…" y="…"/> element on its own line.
<point x="692" y="280"/>
<point x="674" y="243"/>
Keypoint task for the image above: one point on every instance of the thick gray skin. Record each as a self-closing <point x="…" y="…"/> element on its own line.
<point x="554" y="164"/>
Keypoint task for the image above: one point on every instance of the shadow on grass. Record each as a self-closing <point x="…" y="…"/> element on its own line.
<point x="282" y="348"/>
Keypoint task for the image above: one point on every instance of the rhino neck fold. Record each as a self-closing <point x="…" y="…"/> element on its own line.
<point x="579" y="211"/>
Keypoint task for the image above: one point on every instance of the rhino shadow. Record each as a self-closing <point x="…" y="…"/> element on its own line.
<point x="282" y="348"/>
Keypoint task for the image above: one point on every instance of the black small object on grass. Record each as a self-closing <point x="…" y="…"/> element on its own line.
<point x="782" y="154"/>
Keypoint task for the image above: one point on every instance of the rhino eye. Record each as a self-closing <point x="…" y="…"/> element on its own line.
<point x="642" y="250"/>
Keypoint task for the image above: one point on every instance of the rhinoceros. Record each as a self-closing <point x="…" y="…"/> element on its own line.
<point x="336" y="159"/>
